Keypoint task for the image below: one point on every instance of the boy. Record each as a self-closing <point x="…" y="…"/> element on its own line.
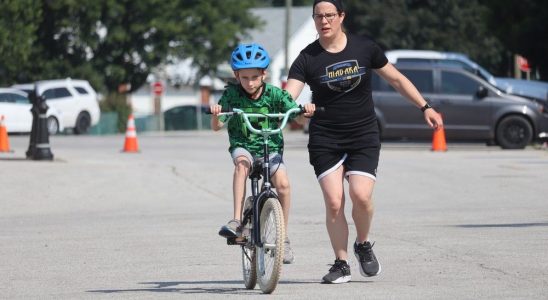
<point x="249" y="63"/>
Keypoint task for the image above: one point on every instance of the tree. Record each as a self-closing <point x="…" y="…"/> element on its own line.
<point x="17" y="28"/>
<point x="114" y="42"/>
<point x="450" y="25"/>
<point x="210" y="30"/>
<point x="293" y="2"/>
<point x="523" y="28"/>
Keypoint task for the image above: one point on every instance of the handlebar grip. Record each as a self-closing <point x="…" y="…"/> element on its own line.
<point x="208" y="111"/>
<point x="320" y="109"/>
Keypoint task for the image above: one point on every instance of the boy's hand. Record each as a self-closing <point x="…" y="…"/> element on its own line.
<point x="215" y="109"/>
<point x="309" y="109"/>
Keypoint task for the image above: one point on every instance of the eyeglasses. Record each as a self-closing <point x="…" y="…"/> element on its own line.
<point x="328" y="16"/>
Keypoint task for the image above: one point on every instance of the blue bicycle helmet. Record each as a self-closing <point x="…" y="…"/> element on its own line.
<point x="249" y="56"/>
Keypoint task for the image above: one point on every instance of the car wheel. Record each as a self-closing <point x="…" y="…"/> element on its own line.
<point x="514" y="132"/>
<point x="83" y="123"/>
<point x="53" y="125"/>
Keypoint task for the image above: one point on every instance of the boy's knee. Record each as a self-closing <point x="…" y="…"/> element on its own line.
<point x="281" y="182"/>
<point x="242" y="166"/>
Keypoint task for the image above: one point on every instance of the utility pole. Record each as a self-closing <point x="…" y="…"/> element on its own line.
<point x="285" y="71"/>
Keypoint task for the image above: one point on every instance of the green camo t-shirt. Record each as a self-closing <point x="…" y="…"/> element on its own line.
<point x="272" y="100"/>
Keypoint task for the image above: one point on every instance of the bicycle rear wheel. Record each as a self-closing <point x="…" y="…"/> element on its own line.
<point x="270" y="255"/>
<point x="248" y="251"/>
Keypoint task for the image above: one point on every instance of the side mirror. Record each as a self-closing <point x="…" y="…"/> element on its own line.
<point x="482" y="92"/>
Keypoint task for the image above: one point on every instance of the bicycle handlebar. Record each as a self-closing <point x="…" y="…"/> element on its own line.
<point x="265" y="131"/>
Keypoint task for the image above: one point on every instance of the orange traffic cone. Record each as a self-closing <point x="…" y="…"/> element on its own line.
<point x="4" y="141"/>
<point x="130" y="144"/>
<point x="438" y="140"/>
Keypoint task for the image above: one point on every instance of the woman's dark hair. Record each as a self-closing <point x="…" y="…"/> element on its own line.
<point x="338" y="4"/>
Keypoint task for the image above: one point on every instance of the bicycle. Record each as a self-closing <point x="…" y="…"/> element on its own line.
<point x="262" y="222"/>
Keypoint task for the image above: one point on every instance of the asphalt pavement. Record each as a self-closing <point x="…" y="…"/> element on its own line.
<point x="97" y="223"/>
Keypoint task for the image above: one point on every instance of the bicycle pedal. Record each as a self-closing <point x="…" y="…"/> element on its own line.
<point x="236" y="240"/>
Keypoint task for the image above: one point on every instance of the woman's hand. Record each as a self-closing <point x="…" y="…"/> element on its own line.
<point x="433" y="118"/>
<point x="309" y="109"/>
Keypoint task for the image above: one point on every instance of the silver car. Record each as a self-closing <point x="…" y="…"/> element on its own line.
<point x="472" y="109"/>
<point x="526" y="88"/>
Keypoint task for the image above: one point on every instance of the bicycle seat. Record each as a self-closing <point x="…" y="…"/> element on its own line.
<point x="257" y="169"/>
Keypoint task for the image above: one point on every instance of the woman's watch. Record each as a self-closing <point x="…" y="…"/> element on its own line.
<point x="425" y="107"/>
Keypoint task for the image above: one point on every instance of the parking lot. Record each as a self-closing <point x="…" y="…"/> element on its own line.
<point x="469" y="223"/>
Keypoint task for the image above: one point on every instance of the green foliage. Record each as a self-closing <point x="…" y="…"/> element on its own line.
<point x="523" y="28"/>
<point x="293" y="3"/>
<point x="450" y="25"/>
<point x="17" y="28"/>
<point x="210" y="29"/>
<point x="116" y="102"/>
<point x="112" y="42"/>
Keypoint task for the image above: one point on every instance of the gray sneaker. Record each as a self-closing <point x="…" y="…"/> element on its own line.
<point x="369" y="265"/>
<point x="231" y="229"/>
<point x="289" y="258"/>
<point x="338" y="273"/>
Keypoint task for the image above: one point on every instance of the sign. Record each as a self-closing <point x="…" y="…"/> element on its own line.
<point x="523" y="64"/>
<point x="157" y="88"/>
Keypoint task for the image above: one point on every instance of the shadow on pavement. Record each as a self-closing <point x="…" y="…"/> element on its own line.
<point x="193" y="287"/>
<point x="511" y="225"/>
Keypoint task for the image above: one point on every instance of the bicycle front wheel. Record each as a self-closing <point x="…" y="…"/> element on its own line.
<point x="270" y="255"/>
<point x="248" y="251"/>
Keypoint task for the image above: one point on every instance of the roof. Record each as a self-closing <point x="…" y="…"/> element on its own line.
<point x="271" y="34"/>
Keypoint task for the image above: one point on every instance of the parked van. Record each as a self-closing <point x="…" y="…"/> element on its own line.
<point x="472" y="109"/>
<point x="526" y="88"/>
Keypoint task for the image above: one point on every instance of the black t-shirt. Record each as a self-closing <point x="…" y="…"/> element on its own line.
<point x="341" y="82"/>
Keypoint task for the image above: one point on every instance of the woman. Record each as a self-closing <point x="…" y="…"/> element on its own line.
<point x="344" y="141"/>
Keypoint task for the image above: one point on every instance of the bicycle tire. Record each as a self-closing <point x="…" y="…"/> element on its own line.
<point x="270" y="256"/>
<point x="249" y="266"/>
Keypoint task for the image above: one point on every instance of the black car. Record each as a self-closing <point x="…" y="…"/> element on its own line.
<point x="472" y="109"/>
<point x="187" y="117"/>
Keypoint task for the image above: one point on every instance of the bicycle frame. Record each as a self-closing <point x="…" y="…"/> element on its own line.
<point x="266" y="192"/>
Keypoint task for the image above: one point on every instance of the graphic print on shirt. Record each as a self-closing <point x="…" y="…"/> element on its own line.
<point x="256" y="122"/>
<point x="343" y="76"/>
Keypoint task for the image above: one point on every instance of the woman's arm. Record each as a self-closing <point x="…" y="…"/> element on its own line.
<point x="294" y="87"/>
<point x="410" y="92"/>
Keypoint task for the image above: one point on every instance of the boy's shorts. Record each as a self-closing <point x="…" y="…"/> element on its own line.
<point x="275" y="159"/>
<point x="363" y="161"/>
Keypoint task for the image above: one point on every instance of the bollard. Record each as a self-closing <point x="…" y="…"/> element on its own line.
<point x="39" y="148"/>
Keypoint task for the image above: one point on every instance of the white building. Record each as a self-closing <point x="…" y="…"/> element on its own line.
<point x="302" y="32"/>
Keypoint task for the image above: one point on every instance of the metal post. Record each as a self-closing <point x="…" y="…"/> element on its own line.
<point x="39" y="148"/>
<point x="288" y="4"/>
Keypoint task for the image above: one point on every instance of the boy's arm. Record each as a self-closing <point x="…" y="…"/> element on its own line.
<point x="216" y="124"/>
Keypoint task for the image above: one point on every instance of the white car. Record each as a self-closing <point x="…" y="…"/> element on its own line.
<point x="15" y="107"/>
<point x="75" y="98"/>
<point x="525" y="88"/>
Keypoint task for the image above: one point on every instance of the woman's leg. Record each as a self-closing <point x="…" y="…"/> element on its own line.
<point x="361" y="191"/>
<point x="337" y="227"/>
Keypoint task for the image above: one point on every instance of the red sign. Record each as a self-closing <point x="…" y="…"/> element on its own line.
<point x="158" y="88"/>
<point x="523" y="64"/>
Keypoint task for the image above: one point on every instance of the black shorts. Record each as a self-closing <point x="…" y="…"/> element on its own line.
<point x="362" y="161"/>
